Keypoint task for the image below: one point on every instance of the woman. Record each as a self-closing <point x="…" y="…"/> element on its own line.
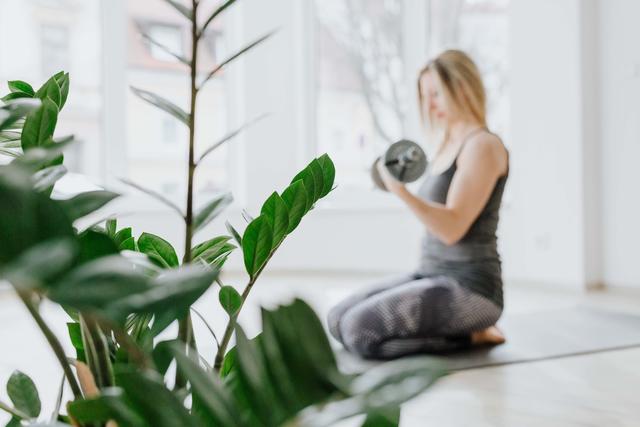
<point x="454" y="298"/>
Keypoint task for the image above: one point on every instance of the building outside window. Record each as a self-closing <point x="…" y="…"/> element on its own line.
<point x="167" y="35"/>
<point x="156" y="154"/>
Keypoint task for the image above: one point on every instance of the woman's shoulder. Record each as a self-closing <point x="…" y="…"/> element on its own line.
<point x="486" y="148"/>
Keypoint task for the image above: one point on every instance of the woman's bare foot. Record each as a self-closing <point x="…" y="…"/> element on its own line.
<point x="491" y="335"/>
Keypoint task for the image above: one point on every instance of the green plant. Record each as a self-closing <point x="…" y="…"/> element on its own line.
<point x="119" y="303"/>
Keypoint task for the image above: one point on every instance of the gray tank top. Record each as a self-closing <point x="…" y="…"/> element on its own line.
<point x="474" y="260"/>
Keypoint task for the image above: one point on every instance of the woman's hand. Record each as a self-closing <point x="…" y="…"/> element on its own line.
<point x="393" y="185"/>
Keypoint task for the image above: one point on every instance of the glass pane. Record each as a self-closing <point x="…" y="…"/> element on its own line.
<point x="361" y="93"/>
<point x="157" y="142"/>
<point x="479" y="27"/>
<point x="41" y="38"/>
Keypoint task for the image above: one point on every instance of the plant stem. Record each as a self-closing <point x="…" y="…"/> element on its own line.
<point x="103" y="367"/>
<point x="15" y="412"/>
<point x="192" y="130"/>
<point x="222" y="348"/>
<point x="185" y="329"/>
<point x="53" y="342"/>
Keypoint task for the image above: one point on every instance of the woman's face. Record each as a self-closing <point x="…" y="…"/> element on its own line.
<point x="433" y="98"/>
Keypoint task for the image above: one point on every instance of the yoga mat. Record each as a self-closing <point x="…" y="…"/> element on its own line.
<point x="540" y="335"/>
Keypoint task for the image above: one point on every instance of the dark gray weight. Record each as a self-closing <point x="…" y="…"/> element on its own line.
<point x="405" y="160"/>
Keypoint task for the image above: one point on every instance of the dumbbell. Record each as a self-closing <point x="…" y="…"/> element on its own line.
<point x="404" y="159"/>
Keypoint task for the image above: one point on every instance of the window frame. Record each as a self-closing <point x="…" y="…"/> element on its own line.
<point x="113" y="152"/>
<point x="415" y="28"/>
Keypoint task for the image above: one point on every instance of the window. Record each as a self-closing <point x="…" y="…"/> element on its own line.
<point x="54" y="46"/>
<point x="169" y="36"/>
<point x="41" y="38"/>
<point x="479" y="27"/>
<point x="156" y="155"/>
<point x="215" y="44"/>
<point x="361" y="91"/>
<point x="367" y="54"/>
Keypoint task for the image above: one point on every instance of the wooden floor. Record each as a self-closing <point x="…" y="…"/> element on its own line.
<point x="600" y="389"/>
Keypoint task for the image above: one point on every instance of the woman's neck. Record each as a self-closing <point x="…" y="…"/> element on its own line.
<point x="460" y="129"/>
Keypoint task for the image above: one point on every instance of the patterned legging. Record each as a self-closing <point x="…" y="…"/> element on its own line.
<point x="410" y="314"/>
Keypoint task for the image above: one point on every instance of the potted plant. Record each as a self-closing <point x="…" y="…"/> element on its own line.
<point x="121" y="291"/>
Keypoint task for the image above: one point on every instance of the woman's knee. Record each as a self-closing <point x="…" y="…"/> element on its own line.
<point x="360" y="332"/>
<point x="333" y="321"/>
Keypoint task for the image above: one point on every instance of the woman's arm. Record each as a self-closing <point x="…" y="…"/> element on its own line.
<point x="481" y="162"/>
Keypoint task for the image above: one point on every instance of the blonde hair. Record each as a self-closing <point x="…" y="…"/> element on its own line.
<point x="461" y="84"/>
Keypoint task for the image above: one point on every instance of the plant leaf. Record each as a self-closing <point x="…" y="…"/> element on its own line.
<point x="23" y="393"/>
<point x="215" y="13"/>
<point x="277" y="212"/>
<point x="184" y="10"/>
<point x="40" y="125"/>
<point x="85" y="203"/>
<point x="311" y="385"/>
<point x="10" y="139"/>
<point x="95" y="244"/>
<point x="212" y="401"/>
<point x="159" y="406"/>
<point x="75" y="336"/>
<point x="159" y="250"/>
<point x="235" y="56"/>
<point x="163" y="104"/>
<point x="256" y="245"/>
<point x="103" y="282"/>
<point x="44" y="179"/>
<point x="328" y="173"/>
<point x="230" y="300"/>
<point x="153" y="194"/>
<point x="50" y="90"/>
<point x="63" y="81"/>
<point x="277" y="363"/>
<point x="14" y="111"/>
<point x="229" y="136"/>
<point x="20" y="86"/>
<point x="211" y="249"/>
<point x="163" y="47"/>
<point x="10" y="153"/>
<point x="127" y="245"/>
<point x="383" y="418"/>
<point x="110" y="405"/>
<point x="49" y="154"/>
<point x="254" y="379"/>
<point x="234" y="233"/>
<point x="295" y="197"/>
<point x="27" y="218"/>
<point x="170" y="295"/>
<point x="15" y="95"/>
<point x="14" y="422"/>
<point x="313" y="181"/>
<point x="247" y="217"/>
<point x="110" y="226"/>
<point x="211" y="210"/>
<point x="42" y="263"/>
<point x="122" y="236"/>
<point x="383" y="387"/>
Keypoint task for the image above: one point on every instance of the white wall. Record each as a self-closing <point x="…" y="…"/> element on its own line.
<point x="620" y="150"/>
<point x="544" y="237"/>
